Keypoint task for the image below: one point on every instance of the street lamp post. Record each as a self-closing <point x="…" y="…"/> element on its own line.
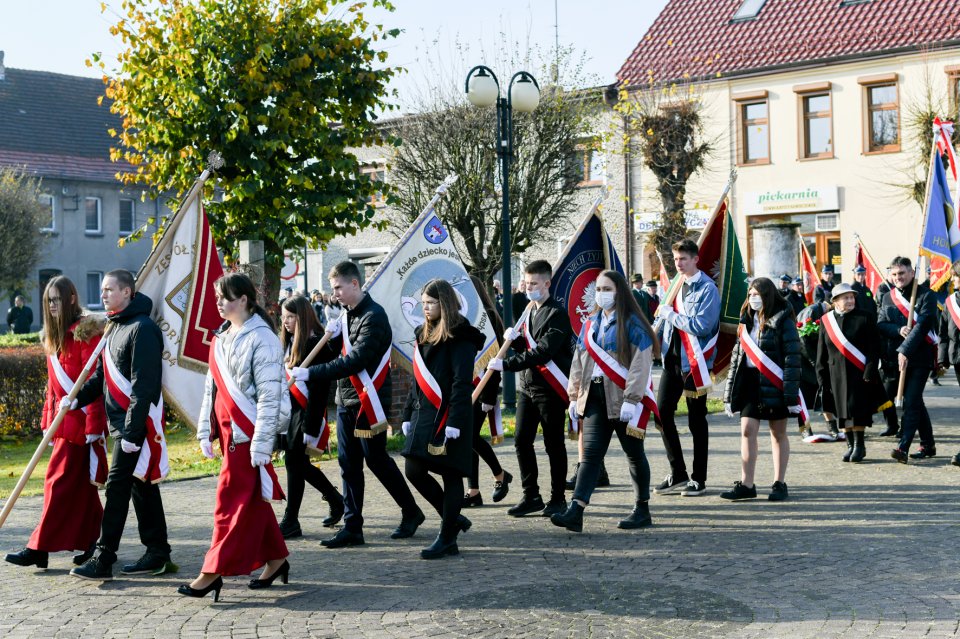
<point x="523" y="94"/>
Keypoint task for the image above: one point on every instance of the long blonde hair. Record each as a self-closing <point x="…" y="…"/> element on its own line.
<point x="450" y="317"/>
<point x="55" y="328"/>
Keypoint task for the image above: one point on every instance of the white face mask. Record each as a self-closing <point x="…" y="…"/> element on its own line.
<point x="535" y="296"/>
<point x="755" y="302"/>
<point x="606" y="299"/>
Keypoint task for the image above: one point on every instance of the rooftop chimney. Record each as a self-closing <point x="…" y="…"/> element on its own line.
<point x="3" y="69"/>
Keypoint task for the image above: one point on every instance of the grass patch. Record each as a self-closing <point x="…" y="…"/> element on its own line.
<point x="713" y="406"/>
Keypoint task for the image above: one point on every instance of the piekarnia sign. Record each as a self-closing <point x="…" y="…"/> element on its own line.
<point x="798" y="200"/>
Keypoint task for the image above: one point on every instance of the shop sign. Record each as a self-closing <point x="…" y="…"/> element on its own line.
<point x="800" y="200"/>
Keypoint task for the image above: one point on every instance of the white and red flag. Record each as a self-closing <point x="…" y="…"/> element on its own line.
<point x="862" y="258"/>
<point x="808" y="273"/>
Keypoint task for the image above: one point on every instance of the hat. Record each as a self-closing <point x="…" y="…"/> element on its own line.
<point x="827" y="268"/>
<point x="842" y="289"/>
<point x="786" y="278"/>
<point x="637" y="277"/>
<point x="859" y="269"/>
<point x="798" y="280"/>
<point x="289" y="289"/>
<point x="652" y="283"/>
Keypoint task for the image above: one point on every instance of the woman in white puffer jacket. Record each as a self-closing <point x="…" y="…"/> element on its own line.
<point x="242" y="407"/>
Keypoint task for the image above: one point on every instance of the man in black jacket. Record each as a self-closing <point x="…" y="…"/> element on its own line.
<point x="641" y="296"/>
<point x="865" y="301"/>
<point x="370" y="339"/>
<point x="825" y="288"/>
<point x="136" y="346"/>
<point x="796" y="300"/>
<point x="911" y="350"/>
<point x="542" y="398"/>
<point x="20" y="316"/>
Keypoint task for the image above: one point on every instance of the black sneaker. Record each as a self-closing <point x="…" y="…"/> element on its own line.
<point x="778" y="492"/>
<point x="899" y="455"/>
<point x="501" y="488"/>
<point x="554" y="506"/>
<point x="923" y="453"/>
<point x="149" y="563"/>
<point x="472" y="501"/>
<point x="527" y="506"/>
<point x="694" y="488"/>
<point x="670" y="485"/>
<point x="93" y="569"/>
<point x="740" y="492"/>
<point x="408" y="525"/>
<point x="344" y="538"/>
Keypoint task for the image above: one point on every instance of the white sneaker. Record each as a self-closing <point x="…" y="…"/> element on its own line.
<point x="694" y="489"/>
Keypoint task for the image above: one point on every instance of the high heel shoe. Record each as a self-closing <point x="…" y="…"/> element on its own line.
<point x="283" y="572"/>
<point x="215" y="586"/>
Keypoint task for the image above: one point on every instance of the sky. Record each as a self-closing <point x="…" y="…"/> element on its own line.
<point x="440" y="39"/>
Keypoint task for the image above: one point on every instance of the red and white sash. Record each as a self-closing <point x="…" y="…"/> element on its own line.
<point x="98" y="449"/>
<point x="550" y="371"/>
<point x="768" y="367"/>
<point x="954" y="308"/>
<point x="617" y="373"/>
<point x="301" y="395"/>
<point x="696" y="356"/>
<point x="430" y="388"/>
<point x="496" y="419"/>
<point x="367" y="387"/>
<point x="845" y="346"/>
<point x="903" y="304"/>
<point x="243" y="413"/>
<point x="152" y="465"/>
<point x="56" y="372"/>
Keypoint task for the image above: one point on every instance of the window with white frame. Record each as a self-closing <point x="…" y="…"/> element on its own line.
<point x="50" y="221"/>
<point x="91" y="207"/>
<point x="128" y="216"/>
<point x="94" y="278"/>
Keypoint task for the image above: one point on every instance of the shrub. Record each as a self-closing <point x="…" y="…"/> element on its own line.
<point x="12" y="340"/>
<point x="23" y="384"/>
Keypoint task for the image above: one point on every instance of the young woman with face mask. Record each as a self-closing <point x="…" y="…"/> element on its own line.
<point x="764" y="383"/>
<point x="610" y="392"/>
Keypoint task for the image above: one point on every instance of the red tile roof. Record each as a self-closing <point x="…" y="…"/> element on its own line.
<point x="64" y="167"/>
<point x="697" y="37"/>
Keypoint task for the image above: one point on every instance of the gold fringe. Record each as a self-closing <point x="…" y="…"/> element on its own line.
<point x="693" y="394"/>
<point x="374" y="430"/>
<point x="884" y="406"/>
<point x="636" y="432"/>
<point x="496" y="439"/>
<point x="437" y="450"/>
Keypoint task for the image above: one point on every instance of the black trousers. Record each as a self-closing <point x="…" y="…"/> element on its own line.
<point x="890" y="385"/>
<point x="351" y="453"/>
<point x="668" y="396"/>
<point x="301" y="472"/>
<point x="481" y="448"/>
<point x="915" y="416"/>
<point x="151" y="522"/>
<point x="550" y="412"/>
<point x="598" y="429"/>
<point x="446" y="500"/>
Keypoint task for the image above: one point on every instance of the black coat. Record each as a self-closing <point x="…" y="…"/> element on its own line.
<point x="20" y="319"/>
<point x="451" y="364"/>
<point x="824" y="291"/>
<point x="780" y="341"/>
<point x="919" y="352"/>
<point x="644" y="301"/>
<point x="855" y="394"/>
<point x="550" y="329"/>
<point x="309" y="421"/>
<point x="796" y="300"/>
<point x="371" y="337"/>
<point x="865" y="300"/>
<point x="136" y="346"/>
<point x="948" y="352"/>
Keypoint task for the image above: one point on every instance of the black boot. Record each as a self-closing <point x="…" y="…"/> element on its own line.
<point x="849" y="453"/>
<point x="336" y="511"/>
<point x="859" y="447"/>
<point x="445" y="544"/>
<point x="79" y="560"/>
<point x="290" y="528"/>
<point x="571" y="519"/>
<point x="890" y="415"/>
<point x="604" y="480"/>
<point x="834" y="430"/>
<point x="639" y="518"/>
<point x="572" y="481"/>
<point x="28" y="557"/>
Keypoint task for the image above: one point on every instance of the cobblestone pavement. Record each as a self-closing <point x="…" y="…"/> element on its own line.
<point x="867" y="550"/>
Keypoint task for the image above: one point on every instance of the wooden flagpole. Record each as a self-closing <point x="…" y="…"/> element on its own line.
<point x="500" y="354"/>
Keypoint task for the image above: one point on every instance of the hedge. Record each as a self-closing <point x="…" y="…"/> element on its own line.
<point x="23" y="384"/>
<point x="11" y="340"/>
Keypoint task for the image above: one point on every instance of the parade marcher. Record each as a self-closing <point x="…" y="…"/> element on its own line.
<point x="364" y="390"/>
<point x="911" y="350"/>
<point x="19" y="317"/>
<point x="519" y="300"/>
<point x="438" y="416"/>
<point x="764" y="384"/>
<point x="809" y="326"/>
<point x="948" y="352"/>
<point x="642" y="297"/>
<point x="688" y="333"/>
<point x="847" y="364"/>
<point x="299" y="333"/>
<point x="243" y="395"/>
<point x="889" y="383"/>
<point x="486" y="408"/>
<point x="128" y="377"/>
<point x="796" y="300"/>
<point x="71" y="515"/>
<point x="611" y="392"/>
<point x="824" y="288"/>
<point x="545" y="348"/>
<point x="865" y="300"/>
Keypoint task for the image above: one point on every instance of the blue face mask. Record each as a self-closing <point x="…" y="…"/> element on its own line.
<point x="535" y="296"/>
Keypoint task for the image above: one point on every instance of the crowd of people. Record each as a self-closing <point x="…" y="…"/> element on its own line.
<point x="842" y="356"/>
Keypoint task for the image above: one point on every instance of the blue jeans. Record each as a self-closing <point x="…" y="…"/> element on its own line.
<point x="915" y="416"/>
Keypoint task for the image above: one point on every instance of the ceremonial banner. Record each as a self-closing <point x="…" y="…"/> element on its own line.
<point x="178" y="277"/>
<point x="426" y="252"/>
<point x="940" y="240"/>
<point x="808" y="273"/>
<point x="588" y="252"/>
<point x="862" y="258"/>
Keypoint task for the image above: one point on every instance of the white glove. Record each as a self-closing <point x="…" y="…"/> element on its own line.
<point x="259" y="459"/>
<point x="334" y="327"/>
<point x="206" y="447"/>
<point x="300" y="374"/>
<point x="451" y="432"/>
<point x="128" y="447"/>
<point x="510" y="334"/>
<point x="573" y="411"/>
<point x="495" y="364"/>
<point x="728" y="409"/>
<point x="666" y="312"/>
<point x="627" y="411"/>
<point x="93" y="438"/>
<point x="311" y="442"/>
<point x="794" y="410"/>
<point x="67" y="403"/>
<point x="486" y="407"/>
<point x="405" y="427"/>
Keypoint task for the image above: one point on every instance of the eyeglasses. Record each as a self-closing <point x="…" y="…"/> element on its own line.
<point x="53" y="301"/>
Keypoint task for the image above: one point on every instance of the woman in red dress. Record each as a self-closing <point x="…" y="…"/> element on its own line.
<point x="244" y="392"/>
<point x="72" y="511"/>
